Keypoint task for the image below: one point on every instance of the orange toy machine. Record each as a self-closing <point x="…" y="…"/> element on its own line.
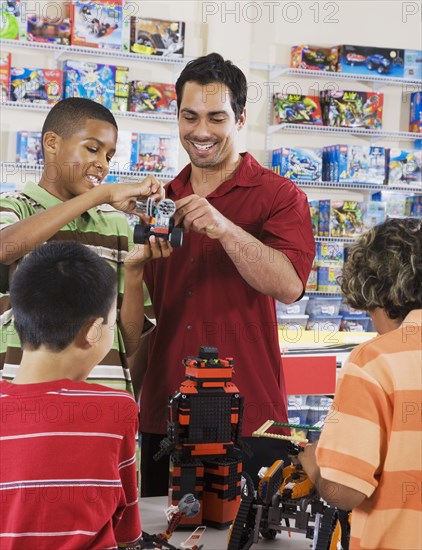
<point x="203" y="439"/>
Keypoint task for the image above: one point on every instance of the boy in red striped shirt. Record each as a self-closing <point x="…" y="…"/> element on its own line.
<point x="369" y="456"/>
<point x="67" y="461"/>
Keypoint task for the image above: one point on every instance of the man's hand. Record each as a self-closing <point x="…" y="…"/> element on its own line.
<point x="196" y="214"/>
<point x="140" y="254"/>
<point x="123" y="196"/>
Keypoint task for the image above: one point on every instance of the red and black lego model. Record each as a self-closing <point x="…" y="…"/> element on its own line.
<point x="203" y="441"/>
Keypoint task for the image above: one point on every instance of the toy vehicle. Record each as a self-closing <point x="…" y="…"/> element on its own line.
<point x="286" y="494"/>
<point x="379" y="63"/>
<point x="355" y="59"/>
<point x="161" y="223"/>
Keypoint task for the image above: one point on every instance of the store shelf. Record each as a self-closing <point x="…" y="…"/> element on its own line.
<point x="365" y="132"/>
<point x="336" y="239"/>
<point x="59" y="50"/>
<point x="281" y="70"/>
<point x="320" y="293"/>
<point x="124" y="114"/>
<point x="10" y="168"/>
<point x="351" y="186"/>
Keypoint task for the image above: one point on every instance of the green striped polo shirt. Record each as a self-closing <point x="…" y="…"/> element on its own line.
<point x="105" y="231"/>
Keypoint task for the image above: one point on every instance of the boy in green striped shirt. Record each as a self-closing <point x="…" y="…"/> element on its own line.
<point x="79" y="140"/>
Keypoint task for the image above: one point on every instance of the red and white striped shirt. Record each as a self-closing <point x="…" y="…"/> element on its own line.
<point x="67" y="466"/>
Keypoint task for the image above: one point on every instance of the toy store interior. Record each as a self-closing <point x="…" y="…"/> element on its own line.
<point x="334" y="104"/>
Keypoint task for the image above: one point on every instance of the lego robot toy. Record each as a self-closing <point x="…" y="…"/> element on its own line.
<point x="286" y="494"/>
<point x="203" y="441"/>
<point x="160" y="222"/>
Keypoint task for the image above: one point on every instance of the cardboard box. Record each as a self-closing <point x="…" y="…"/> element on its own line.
<point x="292" y="108"/>
<point x="370" y="60"/>
<point x="5" y="62"/>
<point x="97" y="24"/>
<point x="315" y="58"/>
<point x="157" y="37"/>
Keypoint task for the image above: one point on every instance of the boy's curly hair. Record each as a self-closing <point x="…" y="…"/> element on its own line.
<point x="384" y="269"/>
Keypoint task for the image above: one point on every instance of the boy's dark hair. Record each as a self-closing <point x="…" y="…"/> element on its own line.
<point x="56" y="290"/>
<point x="212" y="68"/>
<point x="69" y="114"/>
<point x="384" y="269"/>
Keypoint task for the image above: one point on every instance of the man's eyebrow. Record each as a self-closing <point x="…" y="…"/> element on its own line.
<point x="209" y="113"/>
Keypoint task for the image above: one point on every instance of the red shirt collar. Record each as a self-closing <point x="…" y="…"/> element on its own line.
<point x="246" y="175"/>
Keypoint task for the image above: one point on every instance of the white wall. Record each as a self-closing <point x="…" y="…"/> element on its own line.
<point x="261" y="31"/>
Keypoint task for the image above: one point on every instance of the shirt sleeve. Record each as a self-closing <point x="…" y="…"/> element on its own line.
<point x="354" y="438"/>
<point x="289" y="228"/>
<point x="127" y="525"/>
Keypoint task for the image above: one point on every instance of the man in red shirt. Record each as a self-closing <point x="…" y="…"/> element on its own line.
<point x="248" y="241"/>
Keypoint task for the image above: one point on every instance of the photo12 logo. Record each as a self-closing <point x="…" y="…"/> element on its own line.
<point x="270" y="12"/>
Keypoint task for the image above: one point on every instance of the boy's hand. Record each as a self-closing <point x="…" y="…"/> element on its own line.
<point x="195" y="213"/>
<point x="123" y="196"/>
<point x="151" y="250"/>
<point x="308" y="461"/>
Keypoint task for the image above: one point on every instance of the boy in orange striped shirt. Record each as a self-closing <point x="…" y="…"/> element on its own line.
<point x="369" y="456"/>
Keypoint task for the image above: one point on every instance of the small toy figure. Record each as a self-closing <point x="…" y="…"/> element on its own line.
<point x="203" y="439"/>
<point x="160" y="222"/>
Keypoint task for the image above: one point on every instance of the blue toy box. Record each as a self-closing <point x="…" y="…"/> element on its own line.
<point x="91" y="80"/>
<point x="404" y="166"/>
<point x="415" y="120"/>
<point x="36" y="85"/>
<point x="373" y="213"/>
<point x="369" y="60"/>
<point x="301" y="164"/>
<point x="354" y="163"/>
<point x="29" y="147"/>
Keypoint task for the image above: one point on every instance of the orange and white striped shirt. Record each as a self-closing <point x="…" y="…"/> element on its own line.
<point x="372" y="440"/>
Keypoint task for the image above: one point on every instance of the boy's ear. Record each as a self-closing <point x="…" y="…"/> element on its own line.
<point x="91" y="333"/>
<point x="50" y="142"/>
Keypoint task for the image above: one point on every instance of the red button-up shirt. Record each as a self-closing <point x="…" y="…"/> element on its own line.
<point x="199" y="297"/>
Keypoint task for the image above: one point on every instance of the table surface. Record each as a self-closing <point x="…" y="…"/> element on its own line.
<point x="154" y="521"/>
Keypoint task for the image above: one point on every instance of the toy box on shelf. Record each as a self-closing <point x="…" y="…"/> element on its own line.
<point x="97" y="23"/>
<point x="29" y="147"/>
<point x="157" y="37"/>
<point x="297" y="108"/>
<point x="36" y="85"/>
<point x="97" y="82"/>
<point x="154" y="153"/>
<point x="298" y="164"/>
<point x="415" y="120"/>
<point x="314" y="58"/>
<point x="10" y="22"/>
<point x="373" y="213"/>
<point x="403" y="166"/>
<point x="43" y="29"/>
<point x="346" y="219"/>
<point x="5" y="62"/>
<point x="354" y="163"/>
<point x="367" y="59"/>
<point x="413" y="64"/>
<point x="153" y="97"/>
<point x="351" y="109"/>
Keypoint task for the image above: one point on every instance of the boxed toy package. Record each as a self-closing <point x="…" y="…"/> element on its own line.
<point x="373" y="213"/>
<point x="44" y="29"/>
<point x="314" y="58"/>
<point x="346" y="219"/>
<point x="298" y="164"/>
<point x="329" y="253"/>
<point x="297" y="108"/>
<point x="121" y="90"/>
<point x="415" y="121"/>
<point x="122" y="157"/>
<point x="395" y="203"/>
<point x="369" y="60"/>
<point x="414" y="206"/>
<point x="157" y="37"/>
<point x="354" y="163"/>
<point x="10" y="13"/>
<point x="97" y="24"/>
<point x="314" y="211"/>
<point x="36" y="85"/>
<point x="154" y="153"/>
<point x="5" y="62"/>
<point x="29" y="147"/>
<point x="328" y="277"/>
<point x="413" y="64"/>
<point x="93" y="81"/>
<point x="324" y="218"/>
<point x="351" y="109"/>
<point x="403" y="166"/>
<point x="152" y="97"/>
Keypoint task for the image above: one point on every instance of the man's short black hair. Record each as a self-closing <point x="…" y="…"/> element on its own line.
<point x="57" y="289"/>
<point x="70" y="114"/>
<point x="212" y="68"/>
